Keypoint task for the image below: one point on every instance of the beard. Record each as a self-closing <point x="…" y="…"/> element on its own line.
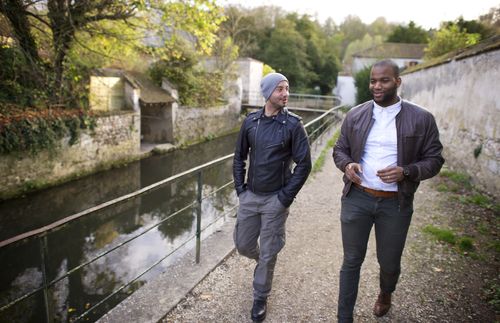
<point x="386" y="98"/>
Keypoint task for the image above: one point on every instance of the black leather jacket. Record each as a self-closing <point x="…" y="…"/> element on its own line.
<point x="273" y="143"/>
<point x="419" y="147"/>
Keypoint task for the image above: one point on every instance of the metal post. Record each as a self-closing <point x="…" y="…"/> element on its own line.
<point x="44" y="252"/>
<point x="198" y="218"/>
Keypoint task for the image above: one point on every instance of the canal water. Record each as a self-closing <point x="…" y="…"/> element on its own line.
<point x="80" y="240"/>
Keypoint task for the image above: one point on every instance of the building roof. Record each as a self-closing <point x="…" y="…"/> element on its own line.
<point x="393" y="50"/>
<point x="150" y="92"/>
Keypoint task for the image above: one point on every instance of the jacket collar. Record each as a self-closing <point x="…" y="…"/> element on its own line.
<point x="280" y="117"/>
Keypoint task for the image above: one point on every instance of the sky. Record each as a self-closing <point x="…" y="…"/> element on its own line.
<point x="425" y="13"/>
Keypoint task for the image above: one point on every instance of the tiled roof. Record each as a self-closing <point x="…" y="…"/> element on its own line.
<point x="393" y="50"/>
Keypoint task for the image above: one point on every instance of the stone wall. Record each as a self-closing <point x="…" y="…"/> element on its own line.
<point x="115" y="139"/>
<point x="196" y="124"/>
<point x="464" y="96"/>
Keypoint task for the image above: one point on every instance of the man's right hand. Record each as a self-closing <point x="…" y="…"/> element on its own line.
<point x="351" y="171"/>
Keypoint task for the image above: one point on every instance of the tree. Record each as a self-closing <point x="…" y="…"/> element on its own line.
<point x="412" y="34"/>
<point x="360" y="44"/>
<point x="380" y="27"/>
<point x="352" y="29"/>
<point x="362" y="83"/>
<point x="449" y="38"/>
<point x="62" y="19"/>
<point x="286" y="53"/>
<point x="63" y="23"/>
<point x="472" y="27"/>
<point x="492" y="19"/>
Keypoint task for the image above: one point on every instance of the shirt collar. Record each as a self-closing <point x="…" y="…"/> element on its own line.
<point x="390" y="109"/>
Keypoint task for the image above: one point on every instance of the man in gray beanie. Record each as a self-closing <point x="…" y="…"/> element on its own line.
<point x="274" y="138"/>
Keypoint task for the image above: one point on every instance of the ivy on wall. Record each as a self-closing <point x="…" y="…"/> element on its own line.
<point x="34" y="129"/>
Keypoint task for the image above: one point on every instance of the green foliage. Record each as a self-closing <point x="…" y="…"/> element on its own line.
<point x="267" y="69"/>
<point x="286" y="39"/>
<point x="380" y="27"/>
<point x="362" y="83"/>
<point x="196" y="87"/>
<point x="449" y="38"/>
<point x="184" y="27"/>
<point x="225" y="52"/>
<point x="300" y="48"/>
<point x="472" y="27"/>
<point x="33" y="130"/>
<point x="411" y="34"/>
<point x="17" y="83"/>
<point x="81" y="35"/>
<point x="492" y="20"/>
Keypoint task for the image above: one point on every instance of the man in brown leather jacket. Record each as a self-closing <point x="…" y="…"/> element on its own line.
<point x="386" y="147"/>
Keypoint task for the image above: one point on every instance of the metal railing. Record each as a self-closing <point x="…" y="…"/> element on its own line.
<point x="296" y="100"/>
<point x="314" y="129"/>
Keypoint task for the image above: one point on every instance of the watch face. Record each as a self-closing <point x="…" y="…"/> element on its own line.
<point x="406" y="171"/>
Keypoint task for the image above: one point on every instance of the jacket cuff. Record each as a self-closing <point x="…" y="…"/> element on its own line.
<point x="284" y="200"/>
<point x="414" y="172"/>
<point x="241" y="189"/>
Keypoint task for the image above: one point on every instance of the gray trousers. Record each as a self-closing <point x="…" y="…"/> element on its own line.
<point x="260" y="216"/>
<point x="359" y="212"/>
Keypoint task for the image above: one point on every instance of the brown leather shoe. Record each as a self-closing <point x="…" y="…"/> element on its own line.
<point x="382" y="305"/>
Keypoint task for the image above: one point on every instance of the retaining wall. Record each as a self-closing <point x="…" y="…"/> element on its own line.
<point x="115" y="139"/>
<point x="464" y="96"/>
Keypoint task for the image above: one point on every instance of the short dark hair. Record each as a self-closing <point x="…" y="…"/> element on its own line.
<point x="390" y="63"/>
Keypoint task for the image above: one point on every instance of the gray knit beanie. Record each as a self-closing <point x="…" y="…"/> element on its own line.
<point x="269" y="83"/>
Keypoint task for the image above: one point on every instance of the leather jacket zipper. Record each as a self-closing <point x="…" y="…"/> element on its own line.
<point x="282" y="174"/>
<point x="255" y="153"/>
<point x="282" y="144"/>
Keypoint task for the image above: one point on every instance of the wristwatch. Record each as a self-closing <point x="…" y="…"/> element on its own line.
<point x="406" y="171"/>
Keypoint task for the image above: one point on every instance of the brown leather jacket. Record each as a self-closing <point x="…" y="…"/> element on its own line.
<point x="419" y="147"/>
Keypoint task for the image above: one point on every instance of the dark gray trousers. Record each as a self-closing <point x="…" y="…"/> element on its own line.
<point x="359" y="212"/>
<point x="260" y="216"/>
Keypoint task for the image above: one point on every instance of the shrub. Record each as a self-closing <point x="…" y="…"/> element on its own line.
<point x="34" y="129"/>
<point x="362" y="82"/>
<point x="196" y="87"/>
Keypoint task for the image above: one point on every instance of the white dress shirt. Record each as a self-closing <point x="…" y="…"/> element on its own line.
<point x="381" y="149"/>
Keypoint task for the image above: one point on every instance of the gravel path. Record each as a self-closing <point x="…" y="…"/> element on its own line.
<point x="437" y="283"/>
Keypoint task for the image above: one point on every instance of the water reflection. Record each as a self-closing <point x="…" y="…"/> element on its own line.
<point x="82" y="239"/>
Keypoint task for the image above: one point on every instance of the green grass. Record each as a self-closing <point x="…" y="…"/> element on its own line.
<point x="464" y="244"/>
<point x="481" y="200"/>
<point x="460" y="179"/>
<point x="493" y="294"/>
<point x="440" y="234"/>
<point x="482" y="228"/>
<point x="442" y="188"/>
<point x="495" y="245"/>
<point x="318" y="164"/>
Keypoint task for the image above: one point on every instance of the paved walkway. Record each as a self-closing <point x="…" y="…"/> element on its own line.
<point x="306" y="276"/>
<point x="437" y="283"/>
